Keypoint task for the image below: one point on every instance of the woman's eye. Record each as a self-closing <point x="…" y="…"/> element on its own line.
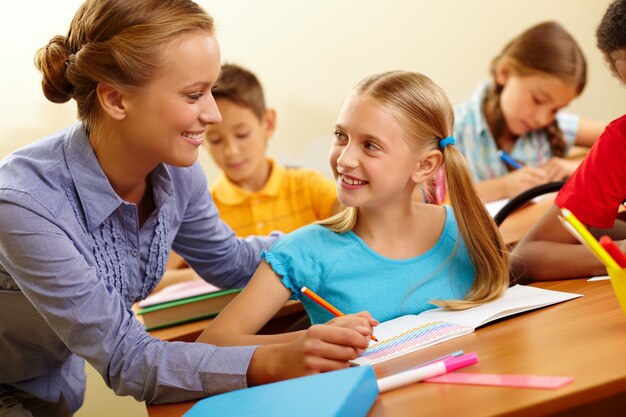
<point x="340" y="135"/>
<point x="214" y="141"/>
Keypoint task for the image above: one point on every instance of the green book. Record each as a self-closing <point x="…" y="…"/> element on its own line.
<point x="183" y="303"/>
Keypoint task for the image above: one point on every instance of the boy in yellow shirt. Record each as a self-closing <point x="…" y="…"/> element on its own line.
<point x="254" y="194"/>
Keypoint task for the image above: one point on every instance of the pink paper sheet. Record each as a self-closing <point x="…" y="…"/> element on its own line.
<point x="500" y="380"/>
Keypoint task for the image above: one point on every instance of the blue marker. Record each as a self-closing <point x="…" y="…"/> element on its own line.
<point x="508" y="160"/>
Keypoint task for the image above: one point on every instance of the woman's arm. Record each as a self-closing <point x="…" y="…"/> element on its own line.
<point x="88" y="315"/>
<point x="549" y="252"/>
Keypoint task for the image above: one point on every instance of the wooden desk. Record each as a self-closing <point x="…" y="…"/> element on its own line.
<point x="584" y="338"/>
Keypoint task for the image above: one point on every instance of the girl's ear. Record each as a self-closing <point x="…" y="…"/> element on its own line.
<point x="112" y="101"/>
<point x="427" y="166"/>
<point x="503" y="71"/>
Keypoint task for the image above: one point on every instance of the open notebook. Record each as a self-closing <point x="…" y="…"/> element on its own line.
<point x="409" y="333"/>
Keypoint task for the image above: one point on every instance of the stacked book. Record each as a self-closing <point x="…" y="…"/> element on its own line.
<point x="184" y="302"/>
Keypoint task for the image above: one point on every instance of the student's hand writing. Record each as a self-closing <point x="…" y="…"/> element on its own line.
<point x="320" y="348"/>
<point x="523" y="179"/>
<point x="362" y="322"/>
<point x="559" y="168"/>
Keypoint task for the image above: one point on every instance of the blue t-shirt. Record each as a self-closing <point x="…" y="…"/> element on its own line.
<point x="342" y="269"/>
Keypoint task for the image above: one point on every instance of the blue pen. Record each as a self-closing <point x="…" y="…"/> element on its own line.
<point x="508" y="160"/>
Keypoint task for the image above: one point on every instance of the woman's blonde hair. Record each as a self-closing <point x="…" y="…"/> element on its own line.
<point x="425" y="112"/>
<point x="546" y="48"/>
<point x="119" y="42"/>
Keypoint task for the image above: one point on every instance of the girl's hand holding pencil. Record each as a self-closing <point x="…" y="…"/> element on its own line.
<point x="362" y="322"/>
<point x="337" y="313"/>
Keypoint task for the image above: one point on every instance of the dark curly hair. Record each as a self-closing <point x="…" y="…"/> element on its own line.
<point x="611" y="32"/>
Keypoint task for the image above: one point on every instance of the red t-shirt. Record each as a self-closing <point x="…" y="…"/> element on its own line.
<point x="595" y="191"/>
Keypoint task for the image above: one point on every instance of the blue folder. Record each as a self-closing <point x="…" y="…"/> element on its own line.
<point x="346" y="393"/>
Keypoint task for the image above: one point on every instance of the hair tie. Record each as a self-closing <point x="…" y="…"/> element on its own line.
<point x="445" y="142"/>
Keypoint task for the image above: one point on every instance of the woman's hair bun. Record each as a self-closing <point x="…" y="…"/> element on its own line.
<point x="52" y="61"/>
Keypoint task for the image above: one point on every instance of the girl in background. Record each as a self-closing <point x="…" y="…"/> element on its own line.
<point x="537" y="74"/>
<point x="384" y="253"/>
<point x="594" y="193"/>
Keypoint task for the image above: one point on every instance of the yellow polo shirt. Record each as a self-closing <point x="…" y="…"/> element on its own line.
<point x="291" y="198"/>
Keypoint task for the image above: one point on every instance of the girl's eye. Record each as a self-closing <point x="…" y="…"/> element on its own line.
<point x="371" y="146"/>
<point x="195" y="97"/>
<point x="242" y="135"/>
<point x="537" y="101"/>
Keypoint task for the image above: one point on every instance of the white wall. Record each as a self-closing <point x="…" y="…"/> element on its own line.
<point x="308" y="54"/>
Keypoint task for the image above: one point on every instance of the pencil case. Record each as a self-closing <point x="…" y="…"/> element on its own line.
<point x="618" y="281"/>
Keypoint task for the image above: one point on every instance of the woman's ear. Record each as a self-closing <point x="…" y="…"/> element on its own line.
<point x="112" y="101"/>
<point x="427" y="166"/>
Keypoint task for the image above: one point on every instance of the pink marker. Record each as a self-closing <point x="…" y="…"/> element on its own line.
<point x="424" y="372"/>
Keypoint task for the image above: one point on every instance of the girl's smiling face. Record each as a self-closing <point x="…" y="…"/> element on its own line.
<point x="371" y="158"/>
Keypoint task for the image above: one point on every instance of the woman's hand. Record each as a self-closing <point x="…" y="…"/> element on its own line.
<point x="321" y="348"/>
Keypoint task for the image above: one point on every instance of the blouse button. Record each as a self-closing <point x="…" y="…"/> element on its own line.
<point x="134" y="252"/>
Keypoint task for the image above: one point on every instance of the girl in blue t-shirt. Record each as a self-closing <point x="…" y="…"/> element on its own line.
<point x="383" y="253"/>
<point x="537" y="73"/>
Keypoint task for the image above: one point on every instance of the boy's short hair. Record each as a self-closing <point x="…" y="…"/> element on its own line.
<point x="242" y="87"/>
<point x="611" y="32"/>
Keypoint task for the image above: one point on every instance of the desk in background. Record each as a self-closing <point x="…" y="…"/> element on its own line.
<point x="584" y="338"/>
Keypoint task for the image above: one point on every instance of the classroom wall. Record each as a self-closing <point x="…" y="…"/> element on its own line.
<point x="308" y="55"/>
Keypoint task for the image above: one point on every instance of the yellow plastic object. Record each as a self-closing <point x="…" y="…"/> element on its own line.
<point x="618" y="281"/>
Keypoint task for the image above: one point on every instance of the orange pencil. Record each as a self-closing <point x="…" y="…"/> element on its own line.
<point x="329" y="307"/>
